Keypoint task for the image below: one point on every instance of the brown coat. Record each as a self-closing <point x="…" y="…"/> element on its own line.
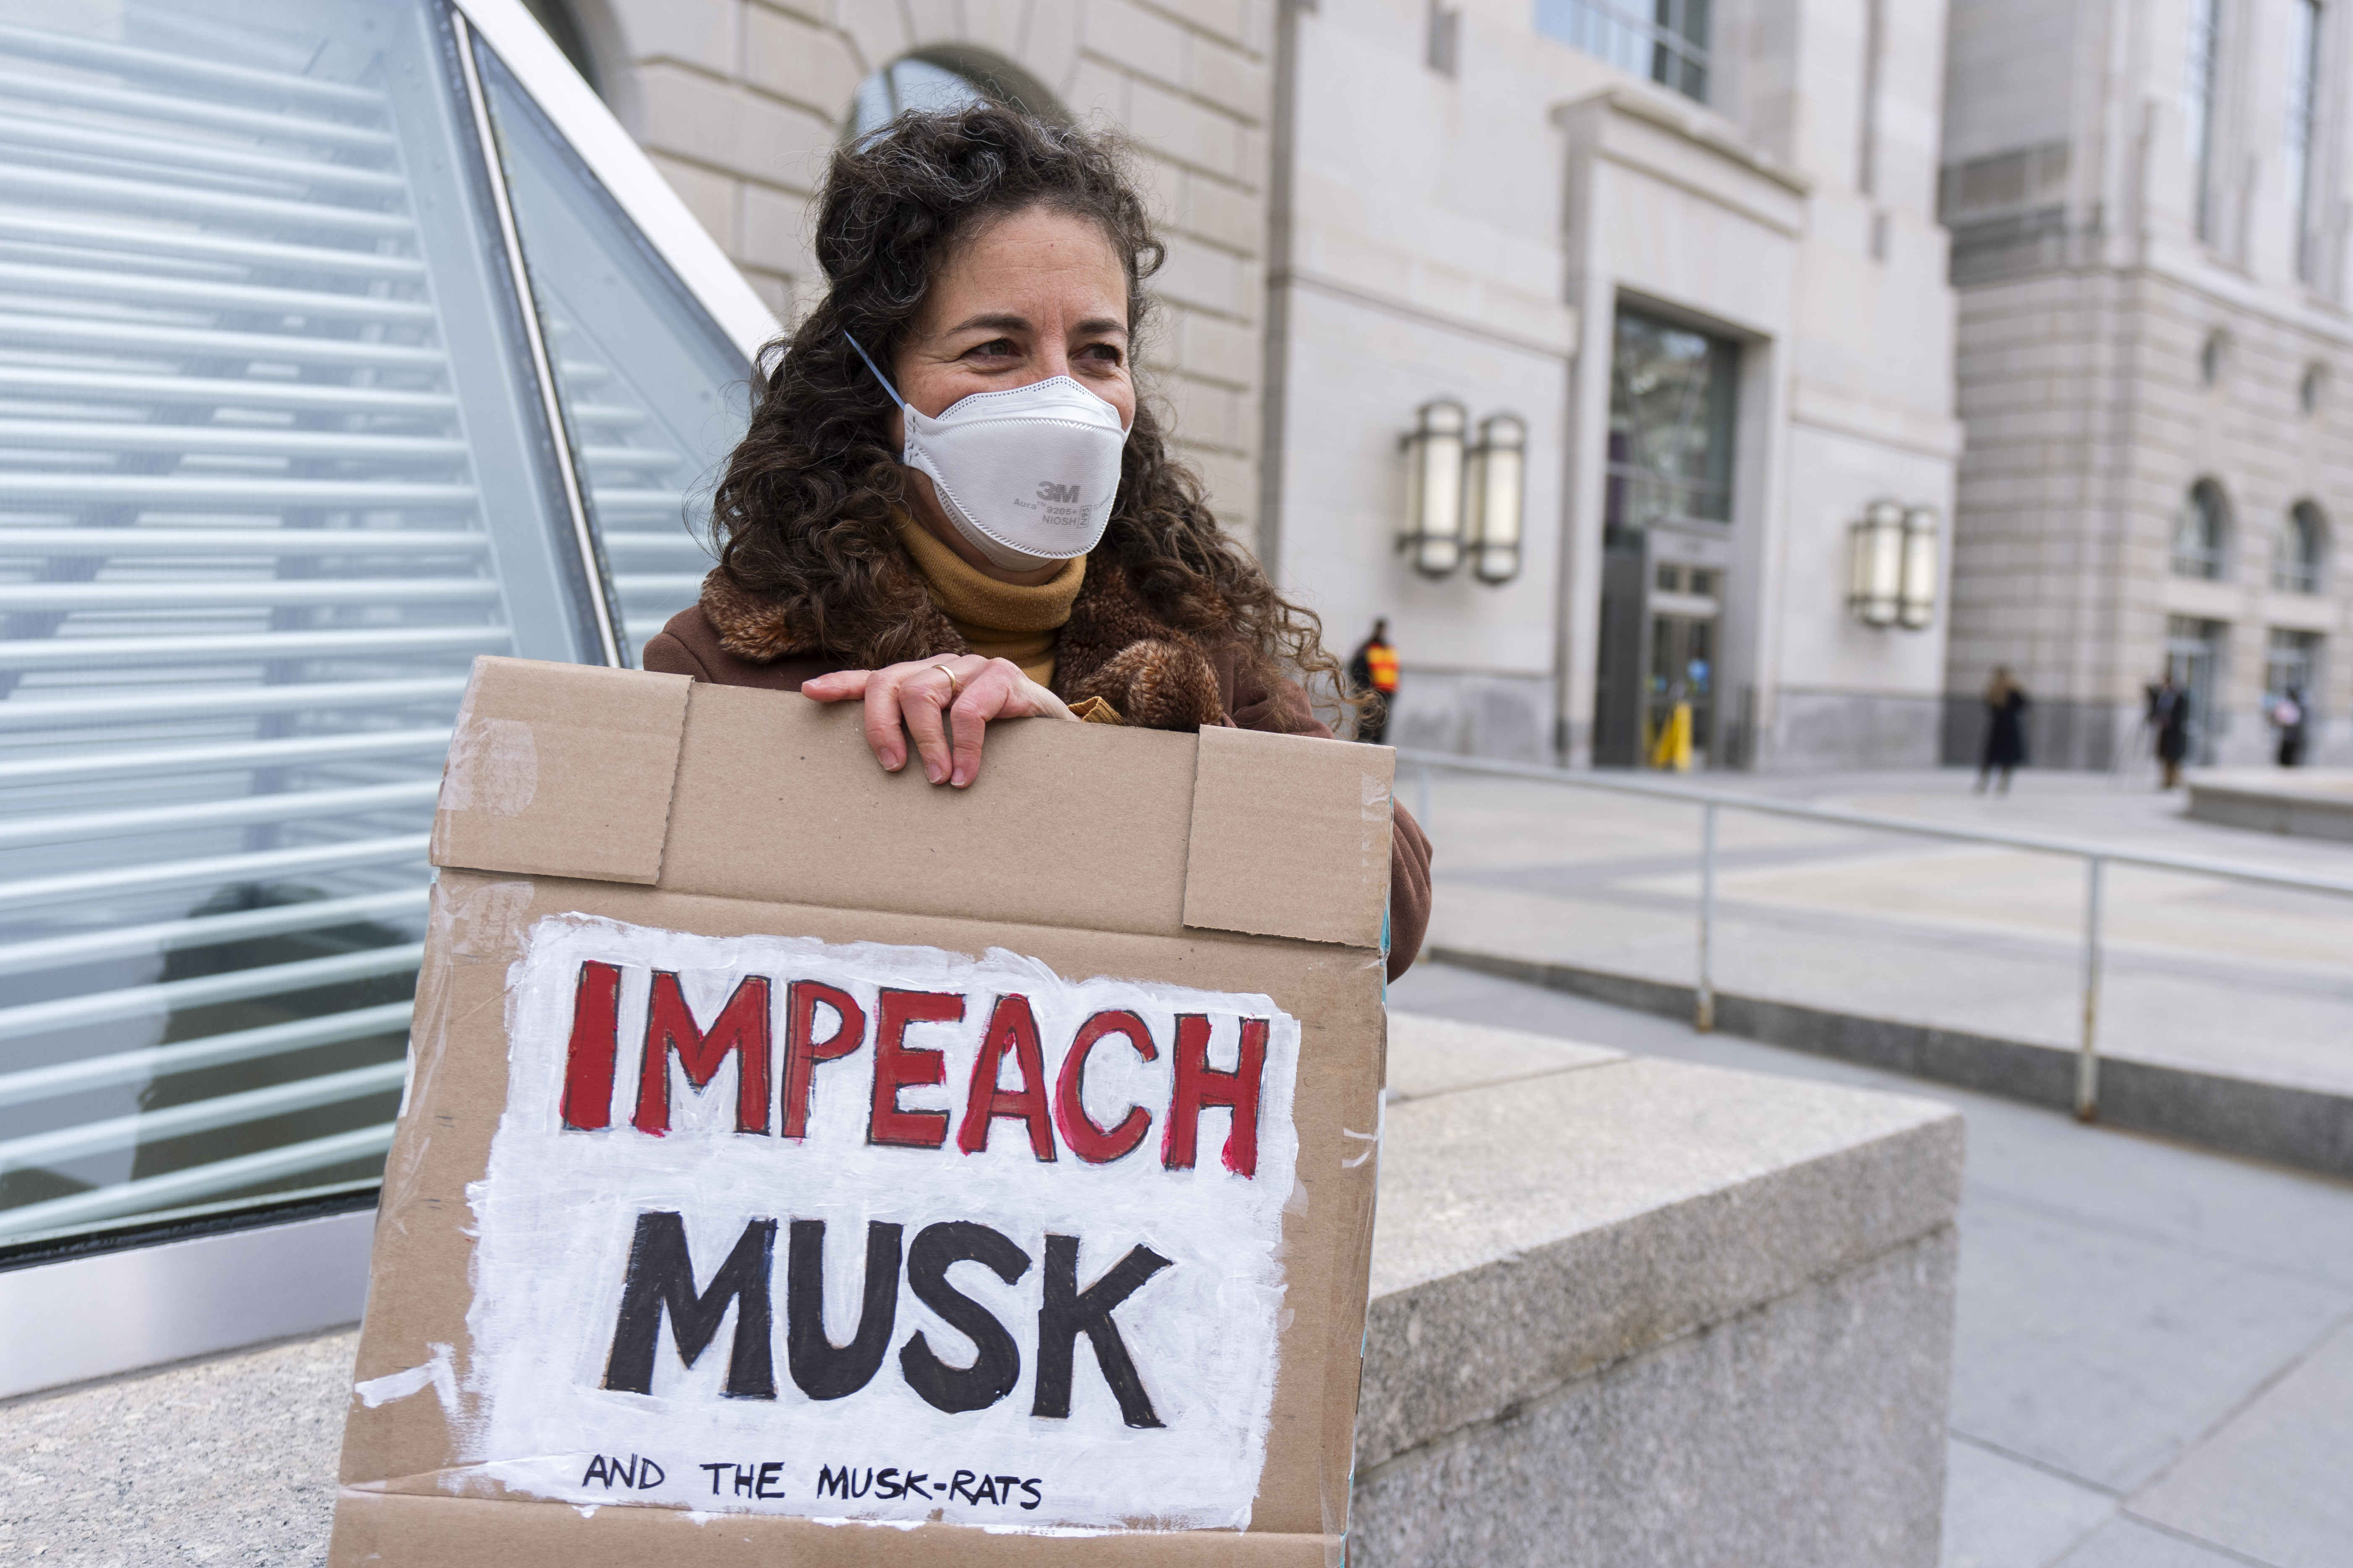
<point x="1114" y="648"/>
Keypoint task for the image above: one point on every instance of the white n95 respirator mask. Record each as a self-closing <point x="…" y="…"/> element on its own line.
<point x="1026" y="475"/>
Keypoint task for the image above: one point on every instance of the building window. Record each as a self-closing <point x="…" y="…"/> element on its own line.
<point x="294" y="443"/>
<point x="2197" y="80"/>
<point x="1672" y="393"/>
<point x="2292" y="668"/>
<point x="2296" y="558"/>
<point x="2201" y="531"/>
<point x="1665" y="40"/>
<point x="2211" y="355"/>
<point x="945" y="79"/>
<point x="2302" y="119"/>
<point x="2308" y="390"/>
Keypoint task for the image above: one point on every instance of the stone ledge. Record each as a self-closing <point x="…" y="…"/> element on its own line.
<point x="1806" y="1433"/>
<point x="2301" y="803"/>
<point x="1438" y="1056"/>
<point x="1549" y="1210"/>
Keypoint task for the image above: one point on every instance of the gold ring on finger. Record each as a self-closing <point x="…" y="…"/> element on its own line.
<point x="955" y="686"/>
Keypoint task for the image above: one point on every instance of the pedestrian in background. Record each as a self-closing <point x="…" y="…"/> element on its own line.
<point x="2169" y="714"/>
<point x="1372" y="679"/>
<point x="2288" y="714"/>
<point x="2005" y="742"/>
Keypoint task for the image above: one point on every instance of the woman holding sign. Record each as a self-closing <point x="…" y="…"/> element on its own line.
<point x="952" y="506"/>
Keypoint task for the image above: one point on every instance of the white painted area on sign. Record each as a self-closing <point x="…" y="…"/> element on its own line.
<point x="438" y="1373"/>
<point x="559" y="1208"/>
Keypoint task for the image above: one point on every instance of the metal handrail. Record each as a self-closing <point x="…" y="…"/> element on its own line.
<point x="2097" y="857"/>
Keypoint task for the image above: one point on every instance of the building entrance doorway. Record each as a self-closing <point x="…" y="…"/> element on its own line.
<point x="1666" y="544"/>
<point x="1662" y="597"/>
<point x="1681" y="673"/>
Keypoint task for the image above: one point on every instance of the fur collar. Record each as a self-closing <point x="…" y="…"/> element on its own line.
<point x="1114" y="648"/>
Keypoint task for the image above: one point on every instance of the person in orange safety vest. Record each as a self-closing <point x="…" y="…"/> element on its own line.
<point x="1373" y="674"/>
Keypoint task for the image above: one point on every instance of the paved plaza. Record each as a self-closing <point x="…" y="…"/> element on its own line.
<point x="2211" y="975"/>
<point x="2154" y="1366"/>
<point x="226" y="1461"/>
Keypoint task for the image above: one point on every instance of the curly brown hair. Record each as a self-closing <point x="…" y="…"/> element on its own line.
<point x="805" y="511"/>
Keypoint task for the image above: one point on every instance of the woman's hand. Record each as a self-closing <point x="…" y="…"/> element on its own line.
<point x="960" y="693"/>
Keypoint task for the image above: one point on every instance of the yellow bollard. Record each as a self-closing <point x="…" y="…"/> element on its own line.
<point x="1673" y="747"/>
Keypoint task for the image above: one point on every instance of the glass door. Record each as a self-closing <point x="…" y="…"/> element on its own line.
<point x="1682" y="675"/>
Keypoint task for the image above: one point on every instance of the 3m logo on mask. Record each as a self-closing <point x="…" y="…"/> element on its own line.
<point x="1049" y="490"/>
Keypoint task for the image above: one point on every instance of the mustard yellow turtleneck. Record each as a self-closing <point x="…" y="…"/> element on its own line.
<point x="999" y="620"/>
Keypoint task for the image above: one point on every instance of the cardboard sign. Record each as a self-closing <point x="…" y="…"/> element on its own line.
<point x="851" y="1172"/>
<point x="927" y="1179"/>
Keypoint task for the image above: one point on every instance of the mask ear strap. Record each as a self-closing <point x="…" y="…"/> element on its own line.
<point x="877" y="370"/>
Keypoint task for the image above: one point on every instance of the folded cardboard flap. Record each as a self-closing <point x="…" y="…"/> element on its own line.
<point x="561" y="770"/>
<point x="1068" y="825"/>
<point x="621" y="776"/>
<point x="1290" y="837"/>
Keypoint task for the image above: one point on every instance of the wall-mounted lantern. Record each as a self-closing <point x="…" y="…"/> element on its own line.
<point x="1918" y="604"/>
<point x="1497" y="497"/>
<point x="1433" y="496"/>
<point x="1891" y="566"/>
<point x="1464" y="499"/>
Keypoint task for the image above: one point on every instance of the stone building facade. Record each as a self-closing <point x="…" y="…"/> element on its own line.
<point x="1695" y="255"/>
<point x="1501" y="206"/>
<point x="2149" y="207"/>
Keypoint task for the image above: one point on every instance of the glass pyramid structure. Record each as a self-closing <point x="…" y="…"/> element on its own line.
<point x="341" y="341"/>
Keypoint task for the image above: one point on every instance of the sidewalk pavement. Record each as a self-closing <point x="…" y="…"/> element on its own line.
<point x="2199" y="973"/>
<point x="2154" y="1361"/>
<point x="230" y="1460"/>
